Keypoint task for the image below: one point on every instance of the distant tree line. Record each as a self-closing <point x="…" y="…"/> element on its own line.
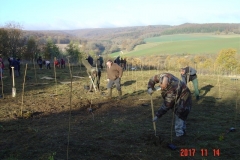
<point x="203" y="28"/>
<point x="30" y="44"/>
<point x="14" y="43"/>
<point x="226" y="62"/>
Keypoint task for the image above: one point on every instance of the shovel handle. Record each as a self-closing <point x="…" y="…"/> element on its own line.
<point x="92" y="82"/>
<point x="154" y="124"/>
<point x="13" y="76"/>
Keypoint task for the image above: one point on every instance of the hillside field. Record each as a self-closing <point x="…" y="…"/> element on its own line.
<point x="57" y="123"/>
<point x="184" y="44"/>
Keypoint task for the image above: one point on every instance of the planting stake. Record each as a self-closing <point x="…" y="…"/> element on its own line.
<point x="2" y="84"/>
<point x="55" y="75"/>
<point x="13" y="88"/>
<point x="23" y="88"/>
<point x="35" y="71"/>
<point x="70" y="108"/>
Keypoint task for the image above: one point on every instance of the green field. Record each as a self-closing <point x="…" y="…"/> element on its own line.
<point x="185" y="44"/>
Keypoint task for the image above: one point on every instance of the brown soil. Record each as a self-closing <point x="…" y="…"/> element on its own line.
<point x="59" y="124"/>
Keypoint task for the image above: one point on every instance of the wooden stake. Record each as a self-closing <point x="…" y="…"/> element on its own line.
<point x="35" y="71"/>
<point x="70" y="109"/>
<point x="2" y="84"/>
<point x="55" y="75"/>
<point x="154" y="124"/>
<point x="13" y="88"/>
<point x="24" y="79"/>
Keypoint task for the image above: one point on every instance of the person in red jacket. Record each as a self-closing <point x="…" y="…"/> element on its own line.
<point x="56" y="63"/>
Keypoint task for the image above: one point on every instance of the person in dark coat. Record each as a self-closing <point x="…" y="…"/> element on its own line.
<point x="15" y="65"/>
<point x="10" y="61"/>
<point x="117" y="60"/>
<point x="124" y="64"/>
<point x="100" y="59"/>
<point x="18" y="63"/>
<point x="90" y="60"/>
<point x="62" y="63"/>
<point x="40" y="62"/>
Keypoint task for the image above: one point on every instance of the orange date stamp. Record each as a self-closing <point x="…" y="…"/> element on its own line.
<point x="191" y="152"/>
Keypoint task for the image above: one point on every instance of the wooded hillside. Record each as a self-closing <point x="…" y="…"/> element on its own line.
<point x="139" y="31"/>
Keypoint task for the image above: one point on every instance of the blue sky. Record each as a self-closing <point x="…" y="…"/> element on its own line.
<point x="78" y="14"/>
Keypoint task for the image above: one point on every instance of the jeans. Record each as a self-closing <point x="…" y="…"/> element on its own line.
<point x="180" y="126"/>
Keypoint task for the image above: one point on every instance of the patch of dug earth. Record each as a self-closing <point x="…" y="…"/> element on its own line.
<point x="151" y="139"/>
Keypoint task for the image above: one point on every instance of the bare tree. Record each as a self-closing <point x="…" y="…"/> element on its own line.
<point x="15" y="40"/>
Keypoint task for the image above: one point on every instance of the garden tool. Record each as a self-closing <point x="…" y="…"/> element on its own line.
<point x="13" y="88"/>
<point x="92" y="82"/>
<point x="154" y="123"/>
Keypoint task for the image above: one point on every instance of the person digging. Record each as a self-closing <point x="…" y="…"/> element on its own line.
<point x="190" y="74"/>
<point x="177" y="97"/>
<point x="95" y="82"/>
<point x="94" y="75"/>
<point x="114" y="74"/>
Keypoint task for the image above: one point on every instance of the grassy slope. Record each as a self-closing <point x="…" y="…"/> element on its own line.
<point x="192" y="44"/>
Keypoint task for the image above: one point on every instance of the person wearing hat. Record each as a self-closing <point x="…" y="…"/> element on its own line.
<point x="190" y="74"/>
<point x="176" y="96"/>
<point x="114" y="75"/>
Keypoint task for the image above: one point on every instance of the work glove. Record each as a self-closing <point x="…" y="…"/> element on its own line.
<point x="108" y="80"/>
<point x="155" y="119"/>
<point x="150" y="91"/>
<point x="90" y="76"/>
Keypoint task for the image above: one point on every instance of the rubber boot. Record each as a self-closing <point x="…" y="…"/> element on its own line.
<point x="119" y="95"/>
<point x="109" y="96"/>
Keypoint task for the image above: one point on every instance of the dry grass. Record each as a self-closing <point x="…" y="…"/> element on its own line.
<point x="120" y="130"/>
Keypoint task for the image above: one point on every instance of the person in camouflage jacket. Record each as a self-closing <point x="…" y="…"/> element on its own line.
<point x="94" y="74"/>
<point x="176" y="96"/>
